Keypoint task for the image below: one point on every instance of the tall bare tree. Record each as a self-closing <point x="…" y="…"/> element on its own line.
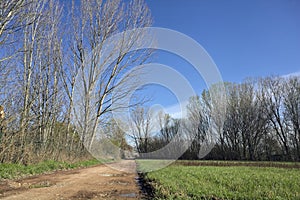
<point x="232" y="121"/>
<point x="39" y="112"/>
<point x="35" y="96"/>
<point x="273" y="100"/>
<point x="46" y="85"/>
<point x="197" y="125"/>
<point x="102" y="67"/>
<point x="31" y="47"/>
<point x="292" y="112"/>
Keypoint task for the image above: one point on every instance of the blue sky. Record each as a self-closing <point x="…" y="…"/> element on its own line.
<point x="254" y="38"/>
<point x="244" y="38"/>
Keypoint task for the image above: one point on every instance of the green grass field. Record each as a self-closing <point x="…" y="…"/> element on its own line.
<point x="179" y="181"/>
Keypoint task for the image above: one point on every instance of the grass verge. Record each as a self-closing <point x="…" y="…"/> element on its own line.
<point x="224" y="182"/>
<point x="11" y="171"/>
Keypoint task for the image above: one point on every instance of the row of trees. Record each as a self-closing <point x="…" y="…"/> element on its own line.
<point x="261" y="122"/>
<point x="54" y="61"/>
<point x="60" y="73"/>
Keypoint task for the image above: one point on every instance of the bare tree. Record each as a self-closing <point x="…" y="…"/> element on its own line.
<point x="197" y="125"/>
<point x="165" y="122"/>
<point x="12" y="19"/>
<point x="215" y="103"/>
<point x="292" y="112"/>
<point x="46" y="85"/>
<point x="273" y="99"/>
<point x="36" y="86"/>
<point x="31" y="35"/>
<point x="38" y="111"/>
<point x="172" y="140"/>
<point x="103" y="63"/>
<point x="232" y="121"/>
<point x="141" y="125"/>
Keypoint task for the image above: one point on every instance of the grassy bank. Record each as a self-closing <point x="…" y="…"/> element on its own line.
<point x="224" y="182"/>
<point x="10" y="171"/>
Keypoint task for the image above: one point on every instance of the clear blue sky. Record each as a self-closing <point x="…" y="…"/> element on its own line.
<point x="244" y="38"/>
<point x="253" y="38"/>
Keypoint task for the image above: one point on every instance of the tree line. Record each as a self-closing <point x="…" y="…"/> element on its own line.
<point x="261" y="122"/>
<point x="52" y="64"/>
<point x="51" y="53"/>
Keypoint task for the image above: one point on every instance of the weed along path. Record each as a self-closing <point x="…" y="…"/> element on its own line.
<point x="97" y="182"/>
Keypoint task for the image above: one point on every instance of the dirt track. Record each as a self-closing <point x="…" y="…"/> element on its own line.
<point x="98" y="182"/>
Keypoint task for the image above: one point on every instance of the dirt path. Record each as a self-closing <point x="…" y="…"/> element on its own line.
<point x="98" y="182"/>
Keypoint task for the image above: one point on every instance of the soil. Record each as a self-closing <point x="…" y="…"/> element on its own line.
<point x="113" y="181"/>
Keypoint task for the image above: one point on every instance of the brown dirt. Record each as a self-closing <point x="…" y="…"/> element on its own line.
<point x="97" y="182"/>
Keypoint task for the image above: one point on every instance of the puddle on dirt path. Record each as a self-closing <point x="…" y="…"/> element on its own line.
<point x="113" y="175"/>
<point x="129" y="195"/>
<point x="106" y="174"/>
